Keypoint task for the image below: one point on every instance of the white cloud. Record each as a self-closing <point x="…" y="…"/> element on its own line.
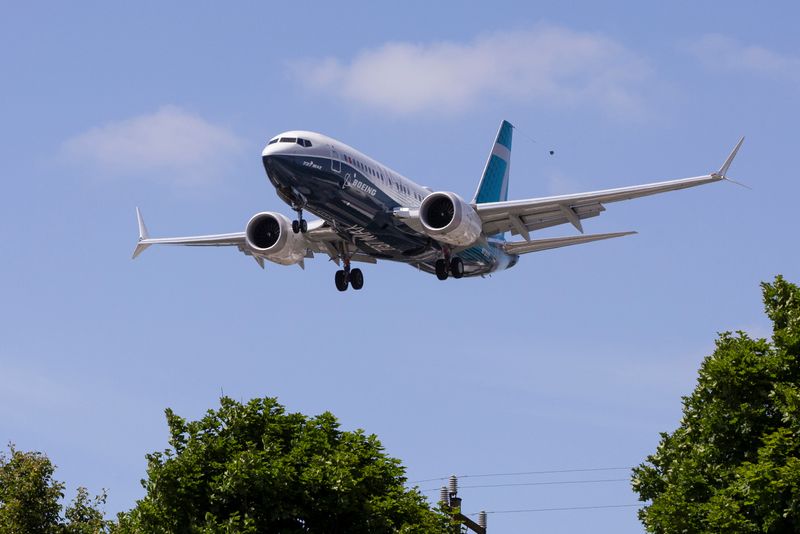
<point x="170" y="145"/>
<point x="719" y="51"/>
<point x="559" y="183"/>
<point x="547" y="65"/>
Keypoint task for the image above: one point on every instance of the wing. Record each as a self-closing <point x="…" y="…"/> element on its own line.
<point x="320" y="238"/>
<point x="520" y="217"/>
<point x="216" y="240"/>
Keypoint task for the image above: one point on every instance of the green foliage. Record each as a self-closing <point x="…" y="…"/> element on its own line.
<point x="85" y="516"/>
<point x="733" y="463"/>
<point x="255" y="468"/>
<point x="30" y="499"/>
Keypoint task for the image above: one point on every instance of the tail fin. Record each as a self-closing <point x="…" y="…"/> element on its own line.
<point x="494" y="182"/>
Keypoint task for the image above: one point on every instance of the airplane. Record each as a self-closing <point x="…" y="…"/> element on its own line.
<point x="369" y="212"/>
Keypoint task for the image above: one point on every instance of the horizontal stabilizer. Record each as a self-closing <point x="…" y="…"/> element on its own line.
<point x="537" y="245"/>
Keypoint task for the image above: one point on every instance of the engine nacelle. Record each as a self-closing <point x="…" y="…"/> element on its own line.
<point x="269" y="235"/>
<point x="447" y="218"/>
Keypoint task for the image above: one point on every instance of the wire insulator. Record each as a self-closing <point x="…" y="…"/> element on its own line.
<point x="453" y="486"/>
<point x="482" y="519"/>
<point x="443" y="498"/>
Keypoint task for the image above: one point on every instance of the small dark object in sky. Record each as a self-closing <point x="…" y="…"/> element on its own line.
<point x="552" y="152"/>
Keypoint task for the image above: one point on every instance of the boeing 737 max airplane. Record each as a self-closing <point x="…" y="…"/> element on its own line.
<point x="369" y="212"/>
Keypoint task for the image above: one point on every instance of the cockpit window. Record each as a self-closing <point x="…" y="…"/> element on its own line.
<point x="273" y="141"/>
<point x="304" y="142"/>
<point x="288" y="139"/>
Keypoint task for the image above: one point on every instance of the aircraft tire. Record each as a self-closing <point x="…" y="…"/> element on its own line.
<point x="341" y="280"/>
<point x="303" y="226"/>
<point x="296" y="226"/>
<point x="457" y="267"/>
<point x="441" y="270"/>
<point x="356" y="279"/>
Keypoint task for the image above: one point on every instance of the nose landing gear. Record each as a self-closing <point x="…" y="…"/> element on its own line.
<point x="298" y="203"/>
<point x="299" y="224"/>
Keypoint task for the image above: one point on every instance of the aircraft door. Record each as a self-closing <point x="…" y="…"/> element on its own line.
<point x="336" y="162"/>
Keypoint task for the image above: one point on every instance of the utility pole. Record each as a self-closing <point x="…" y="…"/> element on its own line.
<point x="451" y="503"/>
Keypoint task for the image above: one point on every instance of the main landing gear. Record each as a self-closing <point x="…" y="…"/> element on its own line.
<point x="445" y="268"/>
<point x="348" y="276"/>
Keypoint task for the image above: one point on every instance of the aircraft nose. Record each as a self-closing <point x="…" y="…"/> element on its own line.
<point x="269" y="149"/>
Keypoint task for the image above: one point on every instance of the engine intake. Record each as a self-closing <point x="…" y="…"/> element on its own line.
<point x="447" y="218"/>
<point x="269" y="235"/>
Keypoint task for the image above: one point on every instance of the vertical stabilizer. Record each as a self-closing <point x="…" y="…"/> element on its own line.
<point x="494" y="182"/>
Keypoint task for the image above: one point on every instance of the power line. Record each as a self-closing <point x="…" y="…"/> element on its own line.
<point x="549" y="483"/>
<point x="565" y="508"/>
<point x="521" y="473"/>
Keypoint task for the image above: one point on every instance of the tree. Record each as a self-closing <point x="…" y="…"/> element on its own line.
<point x="255" y="468"/>
<point x="733" y="463"/>
<point x="30" y="499"/>
<point x="85" y="515"/>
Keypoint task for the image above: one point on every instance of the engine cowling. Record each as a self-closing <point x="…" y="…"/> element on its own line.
<point x="269" y="235"/>
<point x="447" y="218"/>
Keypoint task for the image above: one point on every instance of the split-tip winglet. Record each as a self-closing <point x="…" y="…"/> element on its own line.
<point x="724" y="169"/>
<point x="143" y="234"/>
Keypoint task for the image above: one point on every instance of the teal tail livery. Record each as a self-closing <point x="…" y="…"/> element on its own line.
<point x="368" y="212"/>
<point x="494" y="182"/>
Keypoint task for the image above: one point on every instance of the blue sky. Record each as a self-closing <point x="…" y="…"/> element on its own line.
<point x="576" y="358"/>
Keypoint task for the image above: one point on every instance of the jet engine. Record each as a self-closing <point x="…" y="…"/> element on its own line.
<point x="269" y="235"/>
<point x="447" y="218"/>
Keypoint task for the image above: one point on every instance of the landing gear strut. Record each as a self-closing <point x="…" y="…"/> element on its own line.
<point x="347" y="276"/>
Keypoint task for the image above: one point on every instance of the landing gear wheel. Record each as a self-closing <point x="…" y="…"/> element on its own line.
<point x="303" y="226"/>
<point x="356" y="279"/>
<point x="296" y="226"/>
<point x="441" y="269"/>
<point x="457" y="267"/>
<point x="341" y="280"/>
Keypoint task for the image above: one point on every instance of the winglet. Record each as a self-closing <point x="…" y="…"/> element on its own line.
<point x="724" y="169"/>
<point x="143" y="235"/>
